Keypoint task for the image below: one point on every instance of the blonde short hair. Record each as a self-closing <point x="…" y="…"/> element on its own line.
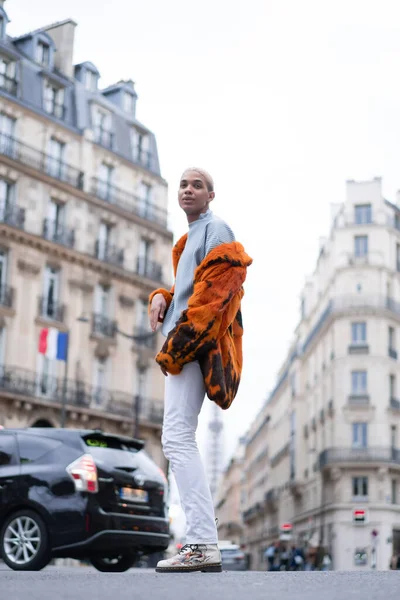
<point x="204" y="174"/>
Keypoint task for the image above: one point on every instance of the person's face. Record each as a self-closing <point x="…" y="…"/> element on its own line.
<point x="193" y="195"/>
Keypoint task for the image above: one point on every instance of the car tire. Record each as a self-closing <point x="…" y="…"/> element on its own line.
<point x="24" y="541"/>
<point x="117" y="564"/>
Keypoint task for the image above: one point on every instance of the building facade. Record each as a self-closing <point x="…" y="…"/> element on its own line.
<point x="322" y="457"/>
<point x="84" y="239"/>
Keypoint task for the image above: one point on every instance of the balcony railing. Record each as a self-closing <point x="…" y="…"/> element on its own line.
<point x="145" y="337"/>
<point x="54" y="232"/>
<point x="8" y="84"/>
<point x="31" y="157"/>
<point x="51" y="309"/>
<point x="13" y="215"/>
<point x="110" y="254"/>
<point x="104" y="137"/>
<point x="148" y="268"/>
<point x="359" y="455"/>
<point x="128" y="201"/>
<point x="102" y="325"/>
<point x="14" y="380"/>
<point x="358" y="399"/>
<point x="6" y="296"/>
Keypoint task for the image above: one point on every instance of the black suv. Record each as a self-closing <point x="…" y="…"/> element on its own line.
<point x="79" y="494"/>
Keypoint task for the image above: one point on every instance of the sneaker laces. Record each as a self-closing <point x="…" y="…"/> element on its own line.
<point x="187" y="547"/>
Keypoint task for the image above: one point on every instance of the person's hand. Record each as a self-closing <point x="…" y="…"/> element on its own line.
<point x="157" y="310"/>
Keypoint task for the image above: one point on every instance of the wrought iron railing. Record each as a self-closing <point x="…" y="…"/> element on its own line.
<point x="51" y="309"/>
<point x="148" y="268"/>
<point x="13" y="215"/>
<point x="359" y="455"/>
<point x="31" y="157"/>
<point x="104" y="326"/>
<point x="110" y="254"/>
<point x="58" y="233"/>
<point x="128" y="201"/>
<point x="23" y="382"/>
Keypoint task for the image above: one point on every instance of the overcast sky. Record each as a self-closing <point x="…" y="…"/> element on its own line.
<point x="280" y="100"/>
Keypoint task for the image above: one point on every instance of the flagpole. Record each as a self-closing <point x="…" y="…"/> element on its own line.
<point x="64" y="388"/>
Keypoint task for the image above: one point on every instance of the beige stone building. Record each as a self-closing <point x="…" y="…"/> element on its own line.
<point x="83" y="240"/>
<point x="323" y="455"/>
<point x="228" y="503"/>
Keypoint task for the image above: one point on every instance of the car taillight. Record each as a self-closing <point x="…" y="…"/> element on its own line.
<point x="84" y="474"/>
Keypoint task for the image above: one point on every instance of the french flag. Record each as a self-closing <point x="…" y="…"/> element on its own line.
<point x="53" y="344"/>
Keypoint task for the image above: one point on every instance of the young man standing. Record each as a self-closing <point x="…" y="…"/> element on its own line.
<point x="202" y="355"/>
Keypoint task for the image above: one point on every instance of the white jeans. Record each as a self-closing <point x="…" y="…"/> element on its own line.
<point x="184" y="396"/>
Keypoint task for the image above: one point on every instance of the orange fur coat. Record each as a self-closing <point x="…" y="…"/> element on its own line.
<point x="210" y="330"/>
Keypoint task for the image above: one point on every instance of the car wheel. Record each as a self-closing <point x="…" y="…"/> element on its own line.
<point x="25" y="541"/>
<point x="117" y="564"/>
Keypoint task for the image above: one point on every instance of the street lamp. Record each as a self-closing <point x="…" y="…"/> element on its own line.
<point x="138" y="339"/>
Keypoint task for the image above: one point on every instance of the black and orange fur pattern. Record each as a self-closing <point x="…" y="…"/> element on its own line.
<point x="210" y="330"/>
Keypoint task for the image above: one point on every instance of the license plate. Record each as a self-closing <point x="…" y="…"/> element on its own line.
<point x="133" y="495"/>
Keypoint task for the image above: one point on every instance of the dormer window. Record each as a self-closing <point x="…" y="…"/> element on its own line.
<point x="129" y="103"/>
<point x="43" y="53"/>
<point x="7" y="76"/>
<point x="102" y="127"/>
<point x="90" y="81"/>
<point x="140" y="143"/>
<point x="54" y="100"/>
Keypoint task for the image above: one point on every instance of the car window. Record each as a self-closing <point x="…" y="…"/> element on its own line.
<point x="8" y="449"/>
<point x="32" y="447"/>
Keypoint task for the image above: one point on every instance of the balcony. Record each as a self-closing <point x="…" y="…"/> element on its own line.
<point x="357" y="456"/>
<point x="358" y="349"/>
<point x="8" y="84"/>
<point x="127" y="201"/>
<point x="79" y="394"/>
<point x="392" y="353"/>
<point x="13" y="215"/>
<point x="109" y="254"/>
<point x="148" y="339"/>
<point x="148" y="268"/>
<point x="6" y="296"/>
<point x="103" y="326"/>
<point x="40" y="161"/>
<point x="356" y="400"/>
<point x="103" y="137"/>
<point x="51" y="310"/>
<point x="54" y="232"/>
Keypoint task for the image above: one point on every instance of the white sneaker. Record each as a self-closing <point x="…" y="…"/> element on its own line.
<point x="193" y="557"/>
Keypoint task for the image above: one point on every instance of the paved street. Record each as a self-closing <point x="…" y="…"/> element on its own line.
<point x="86" y="583"/>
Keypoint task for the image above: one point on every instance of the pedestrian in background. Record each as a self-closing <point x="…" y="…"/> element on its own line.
<point x="202" y="354"/>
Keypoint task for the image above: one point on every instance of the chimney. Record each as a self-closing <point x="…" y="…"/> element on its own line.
<point x="63" y="34"/>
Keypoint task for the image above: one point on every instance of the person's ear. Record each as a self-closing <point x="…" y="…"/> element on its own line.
<point x="211" y="195"/>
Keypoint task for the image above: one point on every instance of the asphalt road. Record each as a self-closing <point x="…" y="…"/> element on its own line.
<point x="86" y="583"/>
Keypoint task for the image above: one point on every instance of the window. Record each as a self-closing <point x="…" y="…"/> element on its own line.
<point x="360" y="487"/>
<point x="141" y="148"/>
<point x="392" y="338"/>
<point x="398" y="257"/>
<point x="292" y="446"/>
<point x="361" y="245"/>
<point x="145" y="257"/>
<point x="3" y="276"/>
<point x="90" y="81"/>
<point x="128" y="102"/>
<point x="6" y="201"/>
<point x="46" y="380"/>
<point x="359" y="383"/>
<point x="54" y="100"/>
<point x="7" y="142"/>
<point x="55" y="164"/>
<point x="394" y="491"/>
<point x="359" y="333"/>
<point x="145" y="191"/>
<point x="2" y="346"/>
<point x="8" y="449"/>
<point x="106" y="175"/>
<point x="392" y="386"/>
<point x="7" y="76"/>
<point x="363" y="214"/>
<point x="102" y="127"/>
<point x="142" y="318"/>
<point x="50" y="305"/>
<point x="33" y="448"/>
<point x="102" y="300"/>
<point x="103" y="241"/>
<point x="43" y="53"/>
<point x="360" y="435"/>
<point x="100" y="381"/>
<point x="54" y="224"/>
<point x="393" y="436"/>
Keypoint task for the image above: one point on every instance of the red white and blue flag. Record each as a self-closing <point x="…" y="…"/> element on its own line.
<point x="53" y="344"/>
